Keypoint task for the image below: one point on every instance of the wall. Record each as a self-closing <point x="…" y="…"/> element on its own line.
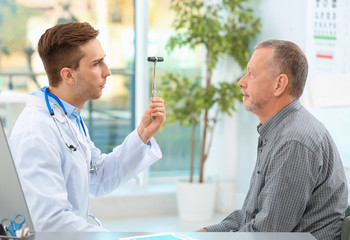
<point x="283" y="20"/>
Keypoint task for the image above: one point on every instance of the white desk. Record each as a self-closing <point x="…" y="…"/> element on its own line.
<point x="197" y="235"/>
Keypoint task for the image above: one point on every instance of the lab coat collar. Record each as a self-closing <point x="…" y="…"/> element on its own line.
<point x="34" y="100"/>
<point x="72" y="112"/>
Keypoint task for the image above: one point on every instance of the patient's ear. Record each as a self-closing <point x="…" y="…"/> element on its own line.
<point x="281" y="84"/>
<point x="67" y="75"/>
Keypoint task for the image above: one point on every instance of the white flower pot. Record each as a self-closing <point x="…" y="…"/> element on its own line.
<point x="195" y="201"/>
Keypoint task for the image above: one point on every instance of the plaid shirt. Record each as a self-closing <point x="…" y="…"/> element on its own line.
<point x="298" y="184"/>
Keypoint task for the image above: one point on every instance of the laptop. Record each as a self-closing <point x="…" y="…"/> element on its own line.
<point x="12" y="200"/>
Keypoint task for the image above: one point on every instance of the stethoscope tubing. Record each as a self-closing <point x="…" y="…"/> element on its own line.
<point x="52" y="113"/>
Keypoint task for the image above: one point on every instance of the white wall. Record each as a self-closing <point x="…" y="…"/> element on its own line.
<point x="283" y="19"/>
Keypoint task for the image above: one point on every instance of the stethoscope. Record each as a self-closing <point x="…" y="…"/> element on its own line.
<point x="93" y="168"/>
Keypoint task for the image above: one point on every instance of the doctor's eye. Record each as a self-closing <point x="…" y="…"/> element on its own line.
<point x="98" y="62"/>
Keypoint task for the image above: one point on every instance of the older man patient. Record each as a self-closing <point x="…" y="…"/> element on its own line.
<point x="298" y="184"/>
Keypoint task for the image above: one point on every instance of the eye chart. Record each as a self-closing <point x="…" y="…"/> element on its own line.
<point x="328" y="52"/>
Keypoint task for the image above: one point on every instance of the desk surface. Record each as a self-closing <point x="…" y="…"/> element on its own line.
<point x="196" y="235"/>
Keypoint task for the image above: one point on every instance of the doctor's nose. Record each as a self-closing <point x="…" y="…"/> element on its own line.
<point x="106" y="71"/>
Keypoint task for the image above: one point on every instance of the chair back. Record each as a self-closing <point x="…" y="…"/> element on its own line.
<point x="345" y="230"/>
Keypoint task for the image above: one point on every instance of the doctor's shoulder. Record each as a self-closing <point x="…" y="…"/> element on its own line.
<point x="33" y="120"/>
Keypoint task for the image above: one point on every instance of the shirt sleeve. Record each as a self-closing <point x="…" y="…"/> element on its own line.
<point x="289" y="180"/>
<point x="232" y="223"/>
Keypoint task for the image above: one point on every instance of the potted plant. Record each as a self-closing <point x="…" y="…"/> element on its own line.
<point x="223" y="28"/>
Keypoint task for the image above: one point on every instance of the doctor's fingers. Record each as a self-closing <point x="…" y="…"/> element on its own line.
<point x="157" y="108"/>
<point x="159" y="116"/>
<point x="156" y="100"/>
<point x="158" y="111"/>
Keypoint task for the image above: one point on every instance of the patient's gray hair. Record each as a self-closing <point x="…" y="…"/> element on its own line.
<point x="289" y="59"/>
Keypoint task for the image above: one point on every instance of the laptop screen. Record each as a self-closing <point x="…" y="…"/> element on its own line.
<point x="12" y="200"/>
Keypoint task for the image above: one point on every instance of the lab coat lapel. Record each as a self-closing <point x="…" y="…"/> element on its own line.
<point x="83" y="144"/>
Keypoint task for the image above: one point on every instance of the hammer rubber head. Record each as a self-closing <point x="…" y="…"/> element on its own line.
<point x="153" y="59"/>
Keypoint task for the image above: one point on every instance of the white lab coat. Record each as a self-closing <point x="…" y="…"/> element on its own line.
<point x="56" y="180"/>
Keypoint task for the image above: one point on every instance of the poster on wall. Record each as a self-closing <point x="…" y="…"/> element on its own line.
<point x="328" y="52"/>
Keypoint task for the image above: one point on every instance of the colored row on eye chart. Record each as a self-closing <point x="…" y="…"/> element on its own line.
<point x="329" y="34"/>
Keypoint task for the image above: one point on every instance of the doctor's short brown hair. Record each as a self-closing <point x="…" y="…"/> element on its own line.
<point x="59" y="47"/>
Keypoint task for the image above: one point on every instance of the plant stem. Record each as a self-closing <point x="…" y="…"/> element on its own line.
<point x="205" y="121"/>
<point x="204" y="139"/>
<point x="193" y="145"/>
<point x="212" y="132"/>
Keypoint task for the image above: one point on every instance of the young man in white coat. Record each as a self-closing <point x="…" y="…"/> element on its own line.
<point x="57" y="163"/>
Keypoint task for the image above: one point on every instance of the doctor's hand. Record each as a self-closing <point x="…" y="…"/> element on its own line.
<point x="148" y="126"/>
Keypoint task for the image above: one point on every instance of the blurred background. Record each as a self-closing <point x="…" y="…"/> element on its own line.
<point x="130" y="31"/>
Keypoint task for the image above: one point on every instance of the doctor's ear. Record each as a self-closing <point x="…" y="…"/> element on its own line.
<point x="281" y="84"/>
<point x="67" y="75"/>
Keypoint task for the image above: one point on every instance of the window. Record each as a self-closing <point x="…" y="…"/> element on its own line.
<point x="174" y="140"/>
<point x="111" y="117"/>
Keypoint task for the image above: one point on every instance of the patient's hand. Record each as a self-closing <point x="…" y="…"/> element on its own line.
<point x="202" y="230"/>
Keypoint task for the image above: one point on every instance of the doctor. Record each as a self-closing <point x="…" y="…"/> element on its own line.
<point x="56" y="160"/>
